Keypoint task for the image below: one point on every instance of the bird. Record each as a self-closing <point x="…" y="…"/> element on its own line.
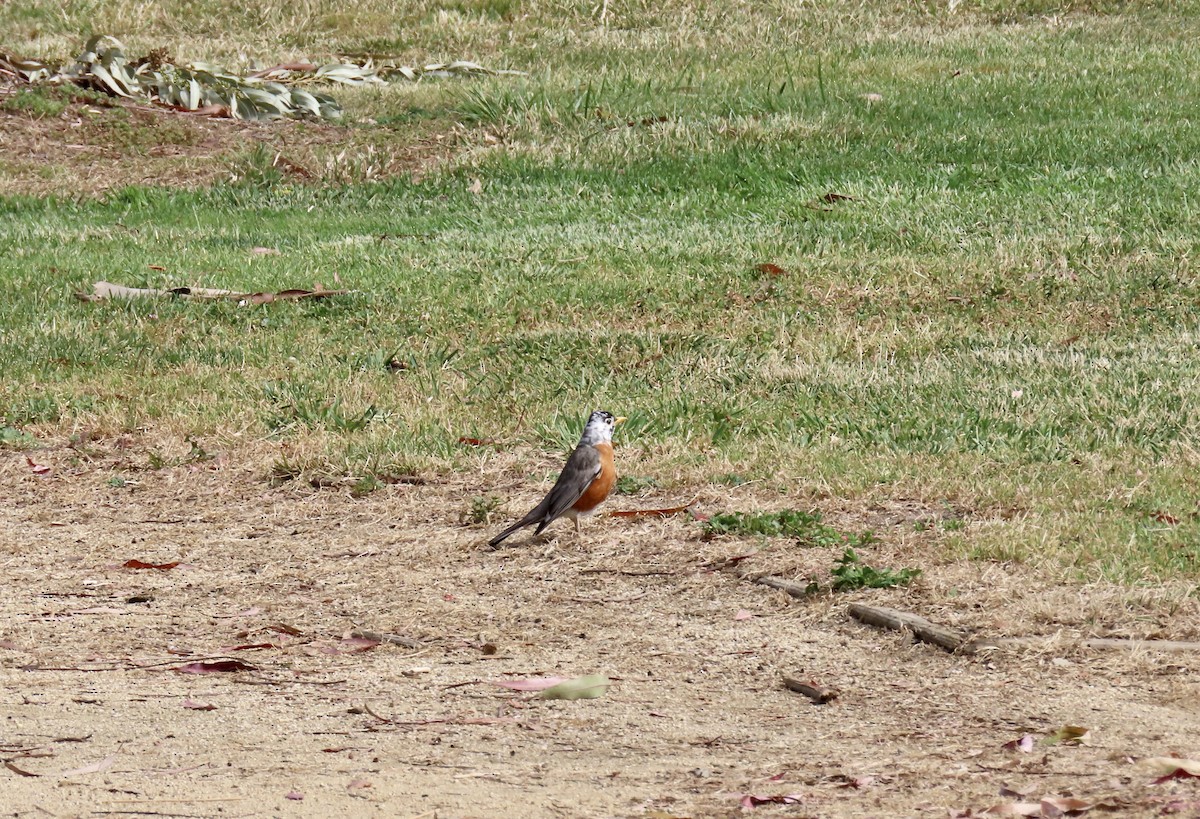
<point x="583" y="484"/>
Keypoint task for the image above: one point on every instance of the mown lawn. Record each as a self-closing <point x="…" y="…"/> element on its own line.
<point x="981" y="222"/>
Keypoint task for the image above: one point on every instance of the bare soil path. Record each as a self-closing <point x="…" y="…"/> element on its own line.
<point x="95" y="721"/>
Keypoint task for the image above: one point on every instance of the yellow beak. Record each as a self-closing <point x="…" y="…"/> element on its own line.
<point x="620" y="420"/>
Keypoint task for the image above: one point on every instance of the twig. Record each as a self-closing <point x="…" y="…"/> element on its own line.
<point x="793" y="589"/>
<point x="603" y="600"/>
<point x="19" y="771"/>
<point x="394" y="639"/>
<point x="922" y="629"/>
<point x="818" y="695"/>
<point x="628" y="573"/>
<point x="957" y="641"/>
<point x="1098" y="643"/>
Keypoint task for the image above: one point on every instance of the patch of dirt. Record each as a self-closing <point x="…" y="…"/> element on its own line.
<point x="696" y="717"/>
<point x="89" y="149"/>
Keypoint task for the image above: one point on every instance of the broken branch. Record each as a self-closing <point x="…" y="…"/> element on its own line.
<point x="817" y="694"/>
<point x="921" y="629"/>
<point x="394" y="639"/>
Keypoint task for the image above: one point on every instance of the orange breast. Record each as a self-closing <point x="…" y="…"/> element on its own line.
<point x="595" y="494"/>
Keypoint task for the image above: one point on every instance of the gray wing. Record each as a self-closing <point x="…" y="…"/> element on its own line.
<point x="582" y="468"/>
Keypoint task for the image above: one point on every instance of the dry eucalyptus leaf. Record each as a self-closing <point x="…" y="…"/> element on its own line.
<point x="588" y="687"/>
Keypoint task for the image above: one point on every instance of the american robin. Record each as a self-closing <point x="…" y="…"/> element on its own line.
<point x="584" y="483"/>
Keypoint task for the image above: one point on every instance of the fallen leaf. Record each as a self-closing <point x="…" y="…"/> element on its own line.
<point x="295" y="796"/>
<point x="588" y="687"/>
<point x="213" y="667"/>
<point x="1024" y="744"/>
<point x="476" y="187"/>
<point x="358" y="783"/>
<point x="855" y="782"/>
<point x="1165" y="517"/>
<point x="477" y="441"/>
<point x="41" y="470"/>
<point x="872" y="98"/>
<point x="139" y="564"/>
<point x="771" y="269"/>
<point x="1069" y="735"/>
<point x="284" y="628"/>
<point x="1014" y="809"/>
<point x="1170" y="767"/>
<point x="750" y="801"/>
<point x="742" y="614"/>
<point x="19" y="771"/>
<point x="95" y="767"/>
<point x="646" y="513"/>
<point x="531" y="684"/>
<point x="250" y="647"/>
<point x="353" y="645"/>
<point x="832" y="197"/>
<point x="264" y="251"/>
<point x="199" y="706"/>
<point x="1054" y="806"/>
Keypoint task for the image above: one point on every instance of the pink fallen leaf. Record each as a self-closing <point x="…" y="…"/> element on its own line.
<point x="95" y="767"/>
<point x="1014" y="809"/>
<point x="295" y="796"/>
<point x="213" y="667"/>
<point x="41" y="470"/>
<point x="856" y="782"/>
<point x="140" y="564"/>
<point x="351" y="645"/>
<point x="1054" y="806"/>
<point x="1170" y="767"/>
<point x="531" y="684"/>
<point x="1024" y="744"/>
<point x="355" y="784"/>
<point x="750" y="801"/>
<point x="250" y="647"/>
<point x="196" y="705"/>
<point x="742" y="614"/>
<point x="264" y="251"/>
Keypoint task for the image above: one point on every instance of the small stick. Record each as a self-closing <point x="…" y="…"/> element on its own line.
<point x="794" y="589"/>
<point x="1098" y="643"/>
<point x="394" y="639"/>
<point x="818" y="695"/>
<point x="629" y="573"/>
<point x="603" y="600"/>
<point x="922" y="629"/>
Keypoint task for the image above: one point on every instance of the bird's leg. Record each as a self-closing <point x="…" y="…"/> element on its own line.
<point x="576" y="526"/>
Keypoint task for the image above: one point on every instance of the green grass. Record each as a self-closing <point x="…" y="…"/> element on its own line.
<point x="1004" y="315"/>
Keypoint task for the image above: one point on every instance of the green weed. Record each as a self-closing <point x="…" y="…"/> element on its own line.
<point x="851" y="573"/>
<point x="806" y="527"/>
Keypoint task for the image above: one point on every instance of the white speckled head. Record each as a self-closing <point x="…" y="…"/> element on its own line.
<point x="600" y="428"/>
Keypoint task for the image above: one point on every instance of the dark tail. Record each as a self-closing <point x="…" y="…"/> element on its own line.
<point x="520" y="523"/>
<point x="536" y="514"/>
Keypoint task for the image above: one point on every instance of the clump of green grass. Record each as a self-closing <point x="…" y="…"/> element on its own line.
<point x="633" y="484"/>
<point x="806" y="527"/>
<point x="851" y="573"/>
<point x="16" y="438"/>
<point x="481" y="509"/>
<point x="296" y="404"/>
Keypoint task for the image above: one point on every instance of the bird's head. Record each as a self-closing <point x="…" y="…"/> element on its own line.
<point x="600" y="427"/>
